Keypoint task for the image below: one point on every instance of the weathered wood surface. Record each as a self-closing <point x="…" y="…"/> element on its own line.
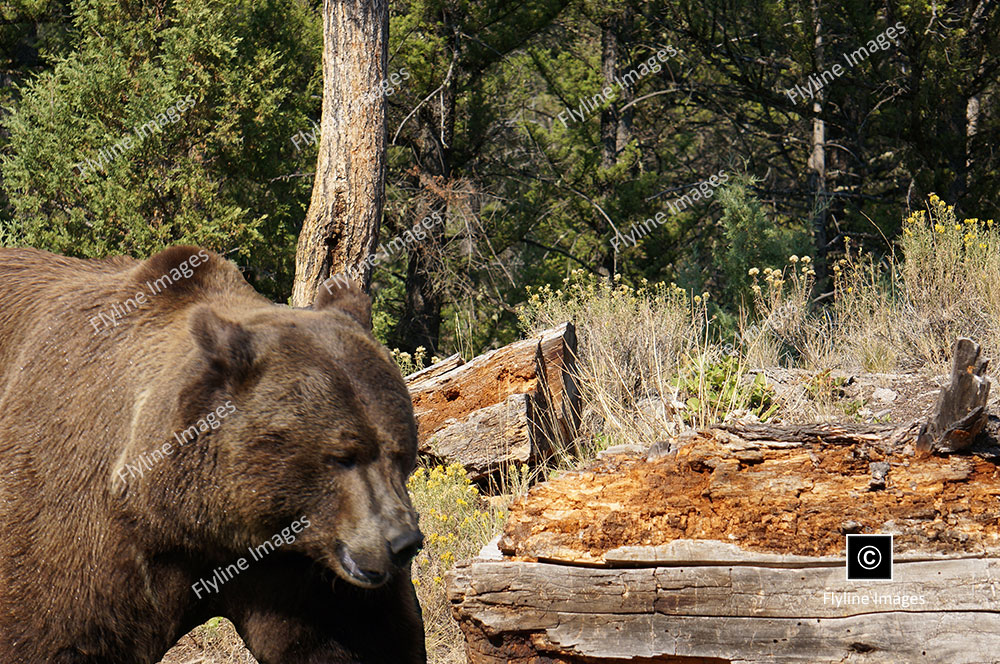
<point x="461" y="388"/>
<point x="417" y="379"/>
<point x="510" y="432"/>
<point x="498" y="593"/>
<point x="961" y="411"/>
<point x="465" y="413"/>
<point x="729" y="547"/>
<point x="735" y="614"/>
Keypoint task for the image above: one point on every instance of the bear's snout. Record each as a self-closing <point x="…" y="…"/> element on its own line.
<point x="373" y="565"/>
<point x="361" y="570"/>
<point x="405" y="546"/>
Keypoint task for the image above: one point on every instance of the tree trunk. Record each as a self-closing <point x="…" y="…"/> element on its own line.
<point x="609" y="73"/>
<point x="961" y="411"/>
<point x="817" y="157"/>
<point x="341" y="227"/>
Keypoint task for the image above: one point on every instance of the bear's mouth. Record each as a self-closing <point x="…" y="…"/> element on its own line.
<point x="355" y="573"/>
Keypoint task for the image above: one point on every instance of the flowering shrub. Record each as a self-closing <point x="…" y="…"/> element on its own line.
<point x="456" y="522"/>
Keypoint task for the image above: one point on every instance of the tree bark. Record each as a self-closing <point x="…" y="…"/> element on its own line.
<point x="341" y="227"/>
<point x="609" y="71"/>
<point x="817" y="157"/>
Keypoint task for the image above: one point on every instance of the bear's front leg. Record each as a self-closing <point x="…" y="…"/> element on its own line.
<point x="293" y="614"/>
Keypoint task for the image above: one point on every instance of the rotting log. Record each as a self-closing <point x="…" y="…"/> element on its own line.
<point x="416" y="379"/>
<point x="961" y="414"/>
<point x="508" y="433"/>
<point x="465" y="411"/>
<point x="729" y="547"/>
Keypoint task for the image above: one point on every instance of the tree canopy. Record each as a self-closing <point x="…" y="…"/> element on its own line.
<point x="547" y="135"/>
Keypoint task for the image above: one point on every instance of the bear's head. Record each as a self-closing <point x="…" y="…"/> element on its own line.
<point x="321" y="427"/>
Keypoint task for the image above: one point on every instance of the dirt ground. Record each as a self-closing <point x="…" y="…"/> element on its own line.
<point x="215" y="642"/>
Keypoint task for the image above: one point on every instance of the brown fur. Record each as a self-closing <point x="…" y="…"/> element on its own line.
<point x="97" y="569"/>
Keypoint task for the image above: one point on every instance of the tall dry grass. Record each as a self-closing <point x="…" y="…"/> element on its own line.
<point x="906" y="311"/>
<point x="633" y="342"/>
<point x="652" y="360"/>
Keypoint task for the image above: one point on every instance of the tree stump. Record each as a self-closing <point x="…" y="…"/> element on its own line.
<point x="961" y="412"/>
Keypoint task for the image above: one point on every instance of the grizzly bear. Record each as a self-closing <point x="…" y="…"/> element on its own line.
<point x="174" y="446"/>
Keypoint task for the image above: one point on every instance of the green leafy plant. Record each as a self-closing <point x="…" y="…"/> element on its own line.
<point x="713" y="389"/>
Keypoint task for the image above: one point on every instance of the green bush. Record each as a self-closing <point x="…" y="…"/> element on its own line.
<point x="714" y="389"/>
<point x="226" y="85"/>
<point x="752" y="239"/>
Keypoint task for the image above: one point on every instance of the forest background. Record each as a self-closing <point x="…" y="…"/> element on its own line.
<point x="501" y="122"/>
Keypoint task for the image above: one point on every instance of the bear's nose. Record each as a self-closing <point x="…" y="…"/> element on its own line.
<point x="405" y="546"/>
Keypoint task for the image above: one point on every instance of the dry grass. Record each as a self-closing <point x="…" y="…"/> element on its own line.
<point x="215" y="642"/>
<point x="907" y="312"/>
<point x="651" y="359"/>
<point x="633" y="342"/>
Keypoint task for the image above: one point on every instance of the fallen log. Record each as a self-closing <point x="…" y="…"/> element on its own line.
<point x="729" y="547"/>
<point x="509" y="432"/>
<point x="466" y="411"/>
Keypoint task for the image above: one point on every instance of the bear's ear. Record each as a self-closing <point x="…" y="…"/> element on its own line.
<point x="225" y="344"/>
<point x="340" y="292"/>
<point x="180" y="269"/>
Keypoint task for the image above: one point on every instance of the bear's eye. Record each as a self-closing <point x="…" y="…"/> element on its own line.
<point x="272" y="439"/>
<point x="342" y="462"/>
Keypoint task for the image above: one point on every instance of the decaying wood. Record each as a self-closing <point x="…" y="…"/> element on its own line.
<point x="453" y="393"/>
<point x="415" y="380"/>
<point x="457" y="403"/>
<point x="730" y="548"/>
<point x="822" y="433"/>
<point x="961" y="412"/>
<point x="734" y="613"/>
<point x="491" y="438"/>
